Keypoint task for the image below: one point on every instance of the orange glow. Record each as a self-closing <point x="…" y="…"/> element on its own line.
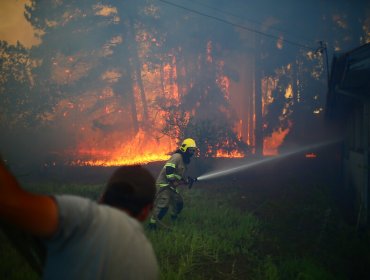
<point x="289" y="92"/>
<point x="224" y="154"/>
<point x="269" y="84"/>
<point x="103" y="126"/>
<point x="209" y="51"/>
<point x="169" y="72"/>
<point x="279" y="43"/>
<point x="67" y="69"/>
<point x="272" y="143"/>
<point x="311" y="155"/>
<point x="119" y="161"/>
<point x="136" y="151"/>
<point x="106" y="136"/>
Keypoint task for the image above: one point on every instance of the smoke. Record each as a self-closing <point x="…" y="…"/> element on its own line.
<point x="25" y="146"/>
<point x="208" y="56"/>
<point x="230" y="170"/>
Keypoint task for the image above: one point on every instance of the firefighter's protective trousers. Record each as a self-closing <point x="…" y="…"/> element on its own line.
<point x="167" y="196"/>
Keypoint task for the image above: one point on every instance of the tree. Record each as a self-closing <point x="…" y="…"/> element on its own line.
<point x="84" y="49"/>
<point x="18" y="104"/>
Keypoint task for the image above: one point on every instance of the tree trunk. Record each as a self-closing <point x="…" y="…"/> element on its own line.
<point x="127" y="86"/>
<point x="180" y="69"/>
<point x="137" y="66"/>
<point x="258" y="112"/>
<point x="258" y="131"/>
<point x="172" y="80"/>
<point x="131" y="95"/>
<point x="161" y="72"/>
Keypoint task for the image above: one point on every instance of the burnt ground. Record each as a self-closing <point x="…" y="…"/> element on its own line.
<point x="305" y="212"/>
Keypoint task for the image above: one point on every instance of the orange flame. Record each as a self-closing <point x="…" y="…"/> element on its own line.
<point x="272" y="143"/>
<point x="232" y="154"/>
<point x="107" y="148"/>
<point x="137" y="151"/>
<point x="311" y="155"/>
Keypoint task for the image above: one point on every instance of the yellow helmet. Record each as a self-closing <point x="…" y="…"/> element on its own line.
<point x="187" y="143"/>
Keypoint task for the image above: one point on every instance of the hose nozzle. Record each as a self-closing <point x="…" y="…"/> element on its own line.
<point x="191" y="181"/>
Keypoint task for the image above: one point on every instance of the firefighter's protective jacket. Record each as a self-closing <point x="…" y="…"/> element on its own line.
<point x="176" y="161"/>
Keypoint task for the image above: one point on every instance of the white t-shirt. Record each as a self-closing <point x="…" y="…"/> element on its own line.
<point x="95" y="241"/>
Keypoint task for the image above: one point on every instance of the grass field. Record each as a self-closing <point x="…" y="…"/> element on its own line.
<point x="230" y="231"/>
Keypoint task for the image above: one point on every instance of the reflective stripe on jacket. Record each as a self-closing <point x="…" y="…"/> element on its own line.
<point x="179" y="166"/>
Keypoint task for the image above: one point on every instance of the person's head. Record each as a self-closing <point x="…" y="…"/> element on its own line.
<point x="132" y="189"/>
<point x="188" y="147"/>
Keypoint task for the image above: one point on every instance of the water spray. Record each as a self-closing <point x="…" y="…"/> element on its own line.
<point x="224" y="172"/>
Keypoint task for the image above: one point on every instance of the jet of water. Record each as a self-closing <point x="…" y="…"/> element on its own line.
<point x="248" y="165"/>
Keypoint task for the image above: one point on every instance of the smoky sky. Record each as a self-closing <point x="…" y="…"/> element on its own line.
<point x="247" y="36"/>
<point x="301" y="22"/>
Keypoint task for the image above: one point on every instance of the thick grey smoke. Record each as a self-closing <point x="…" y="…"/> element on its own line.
<point x="250" y="41"/>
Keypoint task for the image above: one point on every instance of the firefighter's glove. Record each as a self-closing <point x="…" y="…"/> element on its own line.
<point x="174" y="184"/>
<point x="191" y="181"/>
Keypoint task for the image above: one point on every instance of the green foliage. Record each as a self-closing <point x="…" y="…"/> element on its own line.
<point x="90" y="191"/>
<point x="209" y="234"/>
<point x="293" y="269"/>
<point x="17" y="104"/>
<point x="268" y="270"/>
<point x="304" y="269"/>
<point x="214" y="239"/>
<point x="12" y="265"/>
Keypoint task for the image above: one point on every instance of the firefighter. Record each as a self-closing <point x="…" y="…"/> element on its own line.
<point x="171" y="176"/>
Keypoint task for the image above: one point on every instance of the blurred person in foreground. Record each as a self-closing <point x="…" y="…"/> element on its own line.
<point x="84" y="239"/>
<point x="172" y="175"/>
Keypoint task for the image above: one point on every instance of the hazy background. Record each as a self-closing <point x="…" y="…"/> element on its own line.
<point x="108" y="81"/>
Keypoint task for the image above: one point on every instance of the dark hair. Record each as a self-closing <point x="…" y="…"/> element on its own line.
<point x="130" y="187"/>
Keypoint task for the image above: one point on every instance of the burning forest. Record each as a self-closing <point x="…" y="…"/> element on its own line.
<point x="91" y="88"/>
<point x="112" y="83"/>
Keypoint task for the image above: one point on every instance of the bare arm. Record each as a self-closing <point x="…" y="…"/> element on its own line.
<point x="36" y="214"/>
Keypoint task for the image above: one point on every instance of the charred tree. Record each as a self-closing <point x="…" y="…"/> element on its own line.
<point x="181" y="73"/>
<point x="258" y="112"/>
<point x="258" y="129"/>
<point x="137" y="65"/>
